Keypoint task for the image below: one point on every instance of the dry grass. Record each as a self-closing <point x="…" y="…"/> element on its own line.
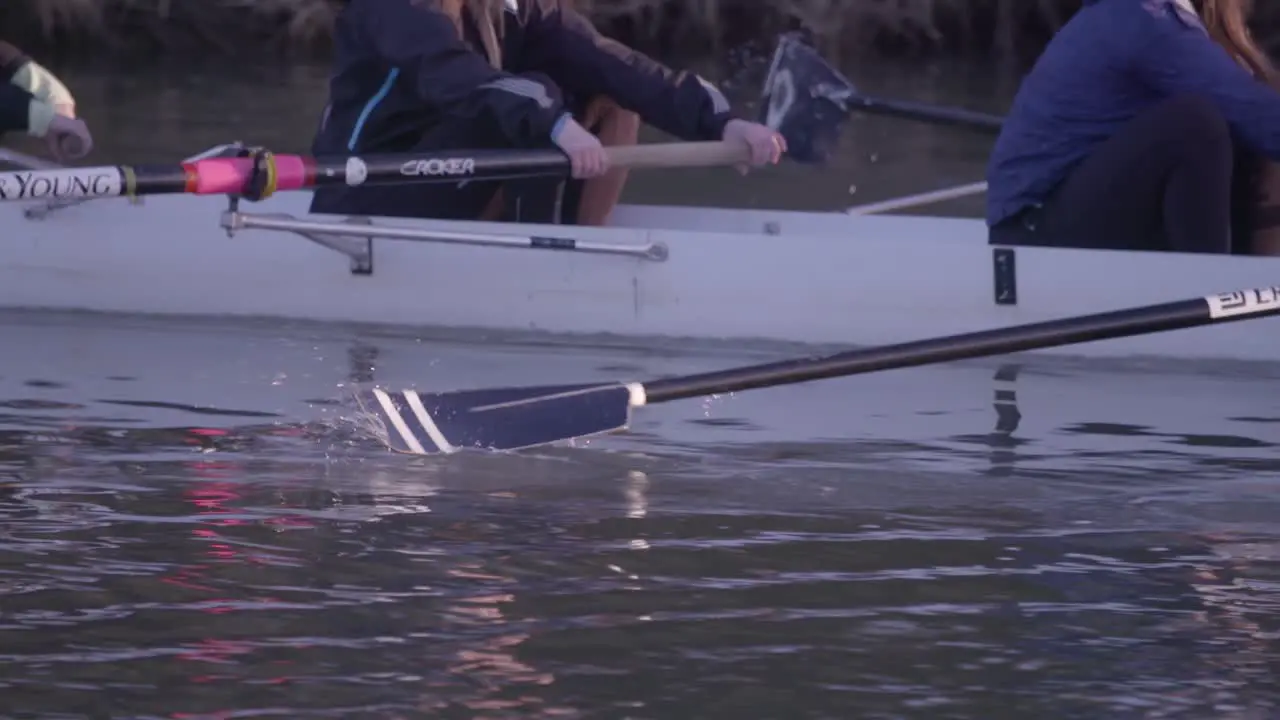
<point x="915" y="26"/>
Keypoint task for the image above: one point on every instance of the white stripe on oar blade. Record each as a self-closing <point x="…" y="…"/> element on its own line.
<point x="424" y="417"/>
<point x="389" y="409"/>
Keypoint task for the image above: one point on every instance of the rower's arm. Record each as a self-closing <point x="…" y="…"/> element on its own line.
<point x="31" y="94"/>
<point x="1181" y="58"/>
<point x="416" y="35"/>
<point x="574" y="20"/>
<point x="681" y="104"/>
<point x="15" y="109"/>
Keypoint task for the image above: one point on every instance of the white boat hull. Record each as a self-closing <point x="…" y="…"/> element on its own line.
<point x="730" y="275"/>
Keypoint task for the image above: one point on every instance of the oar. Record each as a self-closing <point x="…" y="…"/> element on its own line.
<point x="518" y="417"/>
<point x="260" y="174"/>
<point x="808" y="101"/>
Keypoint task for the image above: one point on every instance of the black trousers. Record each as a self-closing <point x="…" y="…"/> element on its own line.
<point x="541" y="199"/>
<point x="1162" y="182"/>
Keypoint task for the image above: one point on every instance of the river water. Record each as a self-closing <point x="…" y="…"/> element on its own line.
<point x="193" y="525"/>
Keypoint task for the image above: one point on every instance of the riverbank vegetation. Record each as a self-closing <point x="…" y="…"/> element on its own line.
<point x="1007" y="29"/>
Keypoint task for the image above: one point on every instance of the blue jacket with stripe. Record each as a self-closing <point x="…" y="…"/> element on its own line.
<point x="14" y="101"/>
<point x="400" y="67"/>
<point x="1111" y="61"/>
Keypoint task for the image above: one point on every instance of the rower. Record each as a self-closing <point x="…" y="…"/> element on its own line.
<point x="426" y="76"/>
<point x="34" y="101"/>
<point x="1124" y="134"/>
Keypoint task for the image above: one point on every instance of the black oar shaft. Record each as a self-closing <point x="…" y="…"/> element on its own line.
<point x="1123" y="323"/>
<point x="513" y="418"/>
<point x="236" y="175"/>
<point x="258" y="174"/>
<point x="439" y="166"/>
<point x="926" y="113"/>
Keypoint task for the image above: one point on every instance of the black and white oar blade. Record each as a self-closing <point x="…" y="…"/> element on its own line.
<point x="801" y="100"/>
<point x="496" y="419"/>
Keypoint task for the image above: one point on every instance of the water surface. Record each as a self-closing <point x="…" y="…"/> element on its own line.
<point x="194" y="528"/>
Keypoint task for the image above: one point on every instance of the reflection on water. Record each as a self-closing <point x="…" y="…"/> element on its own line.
<point x="190" y="527"/>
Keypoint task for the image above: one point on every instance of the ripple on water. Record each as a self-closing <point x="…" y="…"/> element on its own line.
<point x="967" y="543"/>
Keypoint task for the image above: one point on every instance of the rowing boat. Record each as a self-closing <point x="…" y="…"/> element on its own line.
<point x="919" y="290"/>
<point x="857" y="277"/>
<point x="848" y="278"/>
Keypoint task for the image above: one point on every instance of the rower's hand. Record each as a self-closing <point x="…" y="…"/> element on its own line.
<point x="585" y="152"/>
<point x="767" y="145"/>
<point x="68" y="138"/>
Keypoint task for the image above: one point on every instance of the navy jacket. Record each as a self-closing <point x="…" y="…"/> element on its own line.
<point x="400" y="67"/>
<point x="15" y="102"/>
<point x="1111" y="61"/>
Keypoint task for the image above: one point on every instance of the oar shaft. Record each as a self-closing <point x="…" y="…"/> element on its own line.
<point x="1222" y="308"/>
<point x="219" y="175"/>
<point x="923" y="112"/>
<point x="293" y="172"/>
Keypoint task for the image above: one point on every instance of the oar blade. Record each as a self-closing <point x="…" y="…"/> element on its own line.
<point x="496" y="419"/>
<point x="801" y="100"/>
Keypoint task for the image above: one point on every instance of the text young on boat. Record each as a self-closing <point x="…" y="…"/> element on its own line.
<point x="34" y="101"/>
<point x="1133" y="128"/>
<point x="439" y="74"/>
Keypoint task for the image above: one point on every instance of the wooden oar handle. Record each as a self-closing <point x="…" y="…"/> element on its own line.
<point x="674" y="155"/>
